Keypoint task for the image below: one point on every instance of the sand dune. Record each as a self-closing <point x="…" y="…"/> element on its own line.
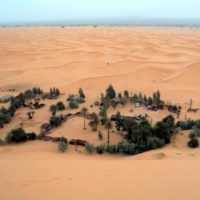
<point x="140" y="59"/>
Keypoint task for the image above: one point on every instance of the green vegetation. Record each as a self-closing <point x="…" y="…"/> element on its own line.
<point x="108" y="126"/>
<point x="100" y="135"/>
<point x="139" y="135"/>
<point x="193" y="143"/>
<point x="113" y="149"/>
<point x="53" y="109"/>
<point x="84" y="111"/>
<point x="110" y="92"/>
<point x="188" y="124"/>
<point x="56" y="120"/>
<point x="19" y="135"/>
<point x="81" y="93"/>
<point x="100" y="149"/>
<point x="62" y="145"/>
<point x="90" y="148"/>
<point x="73" y="104"/>
<point x="60" y="106"/>
<point x="94" y="121"/>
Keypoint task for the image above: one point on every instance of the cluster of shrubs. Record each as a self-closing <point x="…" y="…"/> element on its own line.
<point x="188" y="124"/>
<point x="56" y="120"/>
<point x="193" y="142"/>
<point x="62" y="144"/>
<point x="19" y="135"/>
<point x="123" y="147"/>
<point x="140" y="136"/>
<point x="52" y="94"/>
<point x="154" y="102"/>
<point x="20" y="101"/>
<point x="112" y="98"/>
<point x="75" y="100"/>
<point x="194" y="135"/>
<point x="57" y="107"/>
<point x="5" y="116"/>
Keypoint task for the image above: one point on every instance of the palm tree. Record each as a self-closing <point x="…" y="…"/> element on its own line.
<point x="94" y="121"/>
<point x="108" y="126"/>
<point x="84" y="111"/>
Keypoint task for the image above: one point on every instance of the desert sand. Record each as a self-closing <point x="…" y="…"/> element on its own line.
<point x="140" y="59"/>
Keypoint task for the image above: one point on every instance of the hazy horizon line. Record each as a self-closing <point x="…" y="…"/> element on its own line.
<point x="109" y="21"/>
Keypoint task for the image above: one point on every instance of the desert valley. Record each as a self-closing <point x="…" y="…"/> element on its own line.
<point x="154" y="72"/>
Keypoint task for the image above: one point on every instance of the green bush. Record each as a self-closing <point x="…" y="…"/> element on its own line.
<point x="16" y="135"/>
<point x="55" y="120"/>
<point x="193" y="143"/>
<point x="90" y="148"/>
<point x="100" y="149"/>
<point x="60" y="106"/>
<point x="113" y="149"/>
<point x="62" y="146"/>
<point x="196" y="131"/>
<point x="81" y="100"/>
<point x="31" y="136"/>
<point x="154" y="143"/>
<point x="73" y="104"/>
<point x="127" y="148"/>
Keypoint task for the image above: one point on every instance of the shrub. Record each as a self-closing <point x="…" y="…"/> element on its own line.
<point x="63" y="139"/>
<point x="114" y="103"/>
<point x="192" y="135"/>
<point x="154" y="143"/>
<point x="196" y="131"/>
<point x="81" y="93"/>
<point x="89" y="147"/>
<point x="53" y="109"/>
<point x="113" y="149"/>
<point x="73" y="104"/>
<point x="60" y="106"/>
<point x="100" y="135"/>
<point x="100" y="149"/>
<point x="110" y="92"/>
<point x="16" y="135"/>
<point x="62" y="146"/>
<point x="193" y="143"/>
<point x="31" y="136"/>
<point x="55" y="120"/>
<point x="81" y="100"/>
<point x="127" y="148"/>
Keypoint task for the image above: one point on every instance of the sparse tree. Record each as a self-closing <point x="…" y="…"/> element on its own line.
<point x="108" y="126"/>
<point x="81" y="93"/>
<point x="84" y="111"/>
<point x="53" y="109"/>
<point x="60" y="106"/>
<point x="126" y="94"/>
<point x="100" y="135"/>
<point x="94" y="121"/>
<point x="110" y="92"/>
